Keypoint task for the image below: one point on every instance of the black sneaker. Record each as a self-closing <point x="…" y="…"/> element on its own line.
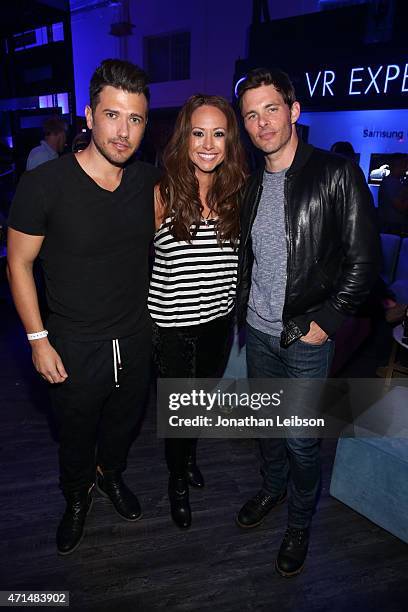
<point x="293" y="551"/>
<point x="254" y="511"/>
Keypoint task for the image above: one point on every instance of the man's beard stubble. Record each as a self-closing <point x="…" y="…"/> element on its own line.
<point x="105" y="154"/>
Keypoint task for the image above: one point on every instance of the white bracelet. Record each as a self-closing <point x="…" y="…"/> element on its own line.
<point x="38" y="335"/>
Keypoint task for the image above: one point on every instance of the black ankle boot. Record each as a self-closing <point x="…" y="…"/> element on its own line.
<point x="71" y="528"/>
<point x="255" y="509"/>
<point x="179" y="504"/>
<point x="293" y="551"/>
<point x="126" y="504"/>
<point x="193" y="473"/>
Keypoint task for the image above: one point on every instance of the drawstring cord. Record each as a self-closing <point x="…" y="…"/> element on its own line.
<point x="117" y="362"/>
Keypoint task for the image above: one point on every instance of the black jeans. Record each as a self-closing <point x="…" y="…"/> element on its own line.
<point x="96" y="421"/>
<point x="196" y="351"/>
<point x="293" y="459"/>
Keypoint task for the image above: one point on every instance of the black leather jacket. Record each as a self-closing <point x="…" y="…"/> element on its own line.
<point x="332" y="241"/>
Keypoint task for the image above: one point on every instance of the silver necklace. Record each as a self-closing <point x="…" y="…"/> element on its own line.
<point x="207" y="219"/>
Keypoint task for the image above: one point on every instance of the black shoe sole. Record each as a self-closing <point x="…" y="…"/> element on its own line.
<point x="68" y="552"/>
<point x="252" y="525"/>
<point x="242" y="526"/>
<point x="288" y="574"/>
<point x="125" y="518"/>
<point x="71" y="550"/>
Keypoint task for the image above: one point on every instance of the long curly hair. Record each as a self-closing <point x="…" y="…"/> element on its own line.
<point x="179" y="187"/>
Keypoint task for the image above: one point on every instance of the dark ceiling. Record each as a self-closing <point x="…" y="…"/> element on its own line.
<point x="21" y="15"/>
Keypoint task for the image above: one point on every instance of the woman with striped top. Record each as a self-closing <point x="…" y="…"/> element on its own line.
<point x="194" y="276"/>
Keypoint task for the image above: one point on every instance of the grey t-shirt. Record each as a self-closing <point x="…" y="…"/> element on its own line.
<point x="268" y="285"/>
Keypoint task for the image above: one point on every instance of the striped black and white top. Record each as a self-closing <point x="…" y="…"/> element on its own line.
<point x="191" y="283"/>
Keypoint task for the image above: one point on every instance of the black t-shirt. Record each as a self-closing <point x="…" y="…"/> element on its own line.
<point x="96" y="246"/>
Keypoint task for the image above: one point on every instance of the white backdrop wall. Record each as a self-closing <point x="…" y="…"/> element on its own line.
<point x="219" y="36"/>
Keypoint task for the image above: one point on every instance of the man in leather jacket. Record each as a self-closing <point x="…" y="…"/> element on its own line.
<point x="309" y="256"/>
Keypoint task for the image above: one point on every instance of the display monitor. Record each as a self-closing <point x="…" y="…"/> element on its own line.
<point x="379" y="167"/>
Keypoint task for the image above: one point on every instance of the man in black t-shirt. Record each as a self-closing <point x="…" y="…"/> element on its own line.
<point x="89" y="218"/>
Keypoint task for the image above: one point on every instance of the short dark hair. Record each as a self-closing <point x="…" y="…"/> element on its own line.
<point x="120" y="74"/>
<point x="343" y="147"/>
<point x="53" y="125"/>
<point x="265" y="76"/>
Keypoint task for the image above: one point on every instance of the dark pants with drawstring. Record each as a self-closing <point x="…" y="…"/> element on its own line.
<point x="96" y="421"/>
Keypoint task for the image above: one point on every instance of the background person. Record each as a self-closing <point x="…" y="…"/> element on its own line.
<point x="393" y="197"/>
<point x="51" y="146"/>
<point x="81" y="141"/>
<point x="345" y="148"/>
